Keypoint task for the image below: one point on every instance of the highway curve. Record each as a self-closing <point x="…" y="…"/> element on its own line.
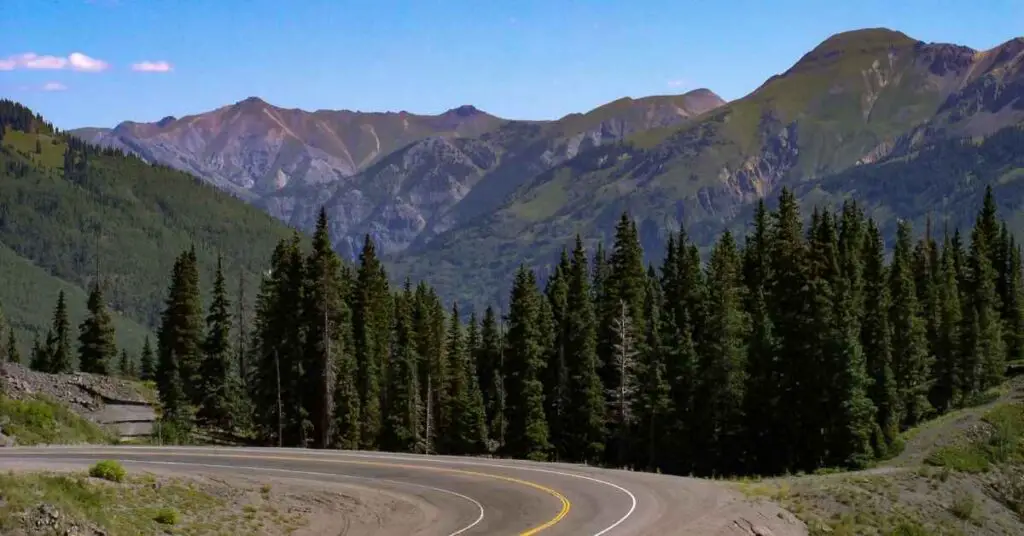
<point x="477" y="496"/>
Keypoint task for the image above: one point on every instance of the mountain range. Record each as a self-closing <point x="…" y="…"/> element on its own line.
<point x="462" y="198"/>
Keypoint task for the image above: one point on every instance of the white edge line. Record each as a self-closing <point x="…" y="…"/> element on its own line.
<point x="385" y="456"/>
<point x="479" y="506"/>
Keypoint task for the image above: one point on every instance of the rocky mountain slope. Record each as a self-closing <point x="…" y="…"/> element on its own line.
<point x="401" y="177"/>
<point x="462" y="205"/>
<point x="861" y="98"/>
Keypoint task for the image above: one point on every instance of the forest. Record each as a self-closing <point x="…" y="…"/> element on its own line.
<point x="800" y="348"/>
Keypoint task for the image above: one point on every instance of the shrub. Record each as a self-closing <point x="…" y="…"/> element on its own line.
<point x="167" y="516"/>
<point x="111" y="470"/>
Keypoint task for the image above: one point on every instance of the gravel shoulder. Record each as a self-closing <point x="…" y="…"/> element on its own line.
<point x="39" y="498"/>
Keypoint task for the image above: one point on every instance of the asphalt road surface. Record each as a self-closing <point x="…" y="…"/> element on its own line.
<point x="478" y="496"/>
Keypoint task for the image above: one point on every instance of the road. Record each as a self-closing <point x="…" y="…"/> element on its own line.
<point x="478" y="496"/>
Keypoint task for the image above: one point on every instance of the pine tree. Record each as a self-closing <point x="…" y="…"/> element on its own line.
<point x="722" y="369"/>
<point x="175" y="339"/>
<point x="762" y="389"/>
<point x="491" y="375"/>
<point x="97" y="347"/>
<point x="40" y="359"/>
<point x="147" y="364"/>
<point x="371" y="327"/>
<point x="583" y="431"/>
<point x="946" y="388"/>
<point x="1013" y="301"/>
<point x="219" y="404"/>
<point x="911" y="363"/>
<point x="189" y="313"/>
<point x="327" y="322"/>
<point x="985" y="351"/>
<point x="401" y="427"/>
<point x="655" y="404"/>
<point x="876" y="342"/>
<point x="556" y="381"/>
<point x="788" y="310"/>
<point x="13" y="355"/>
<point x="465" y="423"/>
<point x="125" y="367"/>
<point x="58" y="343"/>
<point x="527" y="435"/>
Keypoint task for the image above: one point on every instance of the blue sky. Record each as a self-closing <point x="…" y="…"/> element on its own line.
<point x="529" y="59"/>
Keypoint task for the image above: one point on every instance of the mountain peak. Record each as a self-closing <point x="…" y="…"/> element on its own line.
<point x="466" y="110"/>
<point x="166" y="121"/>
<point x="864" y="39"/>
<point x="252" y="103"/>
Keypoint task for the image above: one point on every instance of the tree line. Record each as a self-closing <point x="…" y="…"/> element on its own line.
<point x="804" y="347"/>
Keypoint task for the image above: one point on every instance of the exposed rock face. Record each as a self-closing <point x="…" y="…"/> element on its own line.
<point x="400" y="177"/>
<point x="103" y="399"/>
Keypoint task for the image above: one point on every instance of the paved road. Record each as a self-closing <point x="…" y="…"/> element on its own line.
<point x="478" y="496"/>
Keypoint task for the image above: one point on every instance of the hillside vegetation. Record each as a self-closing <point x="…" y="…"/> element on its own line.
<point x="71" y="212"/>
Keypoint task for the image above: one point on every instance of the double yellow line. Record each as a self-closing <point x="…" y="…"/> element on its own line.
<point x="566" y="505"/>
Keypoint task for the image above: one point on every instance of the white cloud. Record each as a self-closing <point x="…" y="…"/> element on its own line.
<point x="676" y="83"/>
<point x="152" y="67"/>
<point x="31" y="60"/>
<point x="81" y="62"/>
<point x="53" y="86"/>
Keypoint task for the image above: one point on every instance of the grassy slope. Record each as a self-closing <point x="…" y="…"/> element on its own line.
<point x="42" y="421"/>
<point x="139" y="505"/>
<point x="145" y="215"/>
<point x="959" y="474"/>
<point x="845" y="97"/>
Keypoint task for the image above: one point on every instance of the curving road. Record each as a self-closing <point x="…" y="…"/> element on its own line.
<point x="477" y="496"/>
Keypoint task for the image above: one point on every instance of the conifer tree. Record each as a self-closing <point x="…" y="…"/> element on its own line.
<point x="1013" y="299"/>
<point x="655" y="403"/>
<point x="911" y="363"/>
<point x="371" y="328"/>
<point x="190" y="323"/>
<point x="527" y="435"/>
<point x="219" y="403"/>
<point x="125" y="367"/>
<point x="762" y="395"/>
<point x="58" y="343"/>
<point x="985" y="353"/>
<point x="40" y="358"/>
<point x="556" y="380"/>
<point x="13" y="355"/>
<point x="401" y="427"/>
<point x="347" y="418"/>
<point x="491" y="375"/>
<point x="176" y="338"/>
<point x="327" y="322"/>
<point x="876" y="342"/>
<point x="97" y="348"/>
<point x="465" y="426"/>
<point x="787" y="299"/>
<point x="147" y="363"/>
<point x="722" y="369"/>
<point x="947" y="384"/>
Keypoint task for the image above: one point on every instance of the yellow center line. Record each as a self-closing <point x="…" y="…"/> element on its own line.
<point x="566" y="504"/>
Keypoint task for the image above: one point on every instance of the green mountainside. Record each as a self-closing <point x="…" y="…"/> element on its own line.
<point x="68" y="209"/>
<point x="859" y="99"/>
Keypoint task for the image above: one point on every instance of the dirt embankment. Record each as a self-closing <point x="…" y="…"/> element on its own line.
<point x="124" y="405"/>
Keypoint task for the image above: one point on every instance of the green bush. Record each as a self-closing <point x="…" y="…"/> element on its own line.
<point x="111" y="470"/>
<point x="44" y="421"/>
<point x="167" y="516"/>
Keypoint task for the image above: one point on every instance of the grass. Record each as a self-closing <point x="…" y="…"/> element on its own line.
<point x="111" y="470"/>
<point x="41" y="421"/>
<point x="1001" y="442"/>
<point x="136" y="506"/>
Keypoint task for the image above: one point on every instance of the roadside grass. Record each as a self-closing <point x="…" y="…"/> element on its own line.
<point x="42" y="421"/>
<point x="136" y="506"/>
<point x="999" y="442"/>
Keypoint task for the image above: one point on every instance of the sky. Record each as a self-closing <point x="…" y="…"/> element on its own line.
<point x="100" y="62"/>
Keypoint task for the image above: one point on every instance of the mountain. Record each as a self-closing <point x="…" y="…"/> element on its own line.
<point x="109" y="214"/>
<point x="401" y="177"/>
<point x="862" y="98"/>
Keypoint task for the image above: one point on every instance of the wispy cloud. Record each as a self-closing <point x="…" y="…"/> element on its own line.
<point x="677" y="83"/>
<point x="53" y="86"/>
<point x="152" y="67"/>
<point x="75" y="61"/>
